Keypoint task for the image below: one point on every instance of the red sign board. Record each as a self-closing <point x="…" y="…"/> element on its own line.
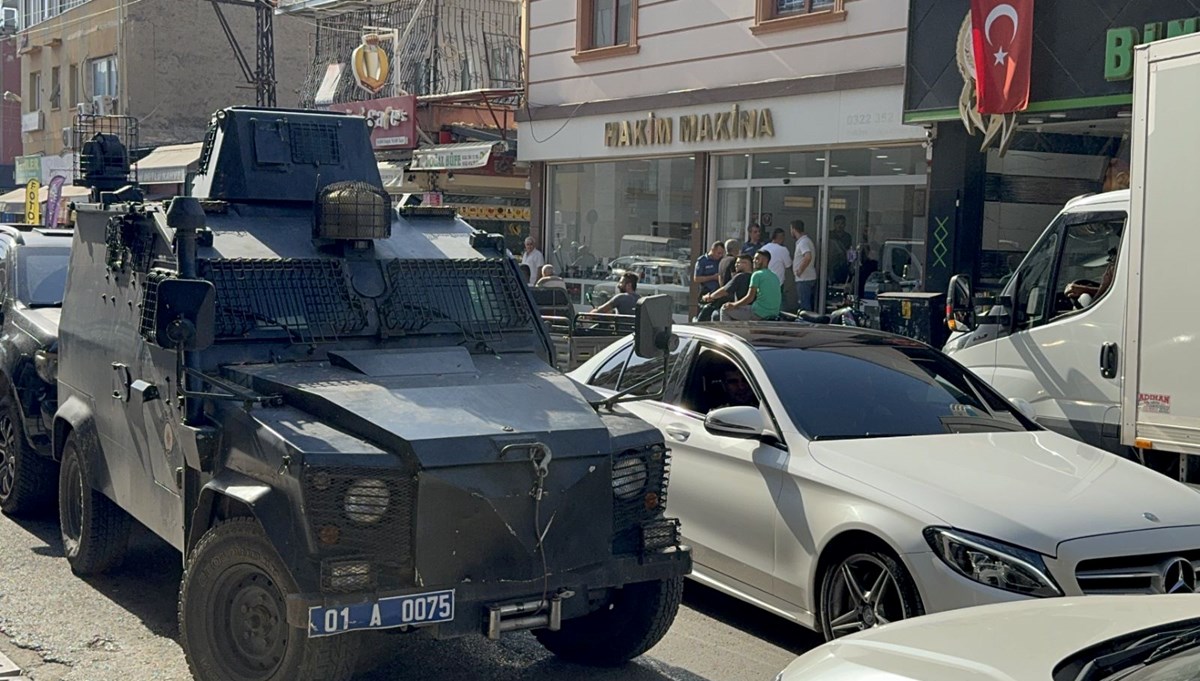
<point x="393" y="120"/>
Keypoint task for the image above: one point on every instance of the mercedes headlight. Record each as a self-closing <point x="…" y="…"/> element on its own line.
<point x="629" y="477"/>
<point x="367" y="501"/>
<point x="993" y="563"/>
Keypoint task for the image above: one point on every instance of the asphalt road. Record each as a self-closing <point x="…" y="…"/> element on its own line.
<point x="122" y="627"/>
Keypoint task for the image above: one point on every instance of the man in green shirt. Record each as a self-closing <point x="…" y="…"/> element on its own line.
<point x="765" y="298"/>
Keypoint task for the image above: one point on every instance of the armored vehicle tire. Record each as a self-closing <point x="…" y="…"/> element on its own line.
<point x="233" y="616"/>
<point x="28" y="480"/>
<point x="633" y="622"/>
<point x="95" y="531"/>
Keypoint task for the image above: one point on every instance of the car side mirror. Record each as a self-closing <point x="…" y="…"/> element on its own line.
<point x="185" y="314"/>
<point x="652" y="335"/>
<point x="960" y="304"/>
<point x="745" y="423"/>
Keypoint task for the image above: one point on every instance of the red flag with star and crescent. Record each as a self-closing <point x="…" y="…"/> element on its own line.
<point x="1003" y="37"/>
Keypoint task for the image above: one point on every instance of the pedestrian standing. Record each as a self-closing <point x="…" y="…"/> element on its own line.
<point x="755" y="240"/>
<point x="729" y="262"/>
<point x="534" y="258"/>
<point x="708" y="268"/>
<point x="804" y="267"/>
<point x="781" y="259"/>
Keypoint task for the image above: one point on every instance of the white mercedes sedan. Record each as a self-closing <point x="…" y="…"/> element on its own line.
<point x="844" y="479"/>
<point x="1152" y="638"/>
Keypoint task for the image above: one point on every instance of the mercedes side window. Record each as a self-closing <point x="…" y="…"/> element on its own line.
<point x="1088" y="262"/>
<point x="640" y="369"/>
<point x="716" y="381"/>
<point x="1031" y="301"/>
<point x="609" y="373"/>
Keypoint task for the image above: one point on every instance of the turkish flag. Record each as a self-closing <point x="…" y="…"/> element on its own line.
<point x="1003" y="37"/>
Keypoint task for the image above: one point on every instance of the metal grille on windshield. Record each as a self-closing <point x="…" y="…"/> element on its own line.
<point x="480" y="299"/>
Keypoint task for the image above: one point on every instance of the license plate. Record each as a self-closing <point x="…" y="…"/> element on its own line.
<point x="385" y="613"/>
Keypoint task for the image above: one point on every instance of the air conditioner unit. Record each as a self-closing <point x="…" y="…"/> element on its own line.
<point x="83" y="108"/>
<point x="68" y="138"/>
<point x="104" y="105"/>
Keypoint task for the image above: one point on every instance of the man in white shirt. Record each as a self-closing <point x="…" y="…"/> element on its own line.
<point x="781" y="260"/>
<point x="805" y="268"/>
<point x="534" y="259"/>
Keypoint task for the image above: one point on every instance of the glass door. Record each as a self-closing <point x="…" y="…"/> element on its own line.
<point x="777" y="207"/>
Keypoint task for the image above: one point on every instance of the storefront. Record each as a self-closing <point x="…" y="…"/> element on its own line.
<point x="987" y="208"/>
<point x="651" y="190"/>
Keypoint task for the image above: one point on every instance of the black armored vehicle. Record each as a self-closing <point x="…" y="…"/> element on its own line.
<point x="344" y="417"/>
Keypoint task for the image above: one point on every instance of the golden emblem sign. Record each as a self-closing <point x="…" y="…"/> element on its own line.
<point x="370" y="64"/>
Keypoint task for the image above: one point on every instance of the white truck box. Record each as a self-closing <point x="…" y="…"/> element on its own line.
<point x="1160" y="401"/>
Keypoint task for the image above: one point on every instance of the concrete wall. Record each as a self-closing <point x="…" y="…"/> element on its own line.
<point x="701" y="44"/>
<point x="177" y="67"/>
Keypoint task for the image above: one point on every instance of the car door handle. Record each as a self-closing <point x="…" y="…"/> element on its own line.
<point x="1109" y="360"/>
<point x="677" y="433"/>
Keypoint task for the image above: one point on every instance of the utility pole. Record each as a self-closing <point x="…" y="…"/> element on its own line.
<point x="262" y="76"/>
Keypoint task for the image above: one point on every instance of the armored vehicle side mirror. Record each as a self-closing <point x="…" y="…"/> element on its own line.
<point x="185" y="314"/>
<point x="652" y="335"/>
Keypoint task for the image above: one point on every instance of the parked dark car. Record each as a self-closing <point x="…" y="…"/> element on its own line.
<point x="33" y="275"/>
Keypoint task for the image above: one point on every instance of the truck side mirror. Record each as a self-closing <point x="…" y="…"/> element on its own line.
<point x="185" y="314"/>
<point x="652" y="335"/>
<point x="960" y="304"/>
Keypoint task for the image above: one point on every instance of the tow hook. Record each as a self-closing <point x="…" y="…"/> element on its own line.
<point x="547" y="614"/>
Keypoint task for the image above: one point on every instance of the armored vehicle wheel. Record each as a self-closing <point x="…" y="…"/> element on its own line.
<point x="233" y="616"/>
<point x="95" y="531"/>
<point x="636" y="619"/>
<point x="27" y="480"/>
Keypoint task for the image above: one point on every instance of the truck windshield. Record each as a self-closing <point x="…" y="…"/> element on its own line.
<point x="42" y="275"/>
<point x="846" y="390"/>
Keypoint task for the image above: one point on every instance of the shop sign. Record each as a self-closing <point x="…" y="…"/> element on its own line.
<point x="33" y="207"/>
<point x="393" y="120"/>
<point x="28" y="168"/>
<point x="734" y="124"/>
<point x="370" y="64"/>
<point x="1118" y="50"/>
<point x="454" y="156"/>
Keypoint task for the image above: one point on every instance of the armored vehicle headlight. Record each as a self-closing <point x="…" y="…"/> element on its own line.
<point x="367" y="501"/>
<point x="629" y="477"/>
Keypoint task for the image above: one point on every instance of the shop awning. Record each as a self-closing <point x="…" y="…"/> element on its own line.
<point x="455" y="156"/>
<point x="14" y="201"/>
<point x="392" y="173"/>
<point x="169" y="164"/>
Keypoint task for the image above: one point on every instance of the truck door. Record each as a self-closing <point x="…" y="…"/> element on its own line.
<point x="1066" y="319"/>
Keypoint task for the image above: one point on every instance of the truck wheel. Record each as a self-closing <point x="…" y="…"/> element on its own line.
<point x="633" y="622"/>
<point x="27" y="479"/>
<point x="95" y="531"/>
<point x="233" y="616"/>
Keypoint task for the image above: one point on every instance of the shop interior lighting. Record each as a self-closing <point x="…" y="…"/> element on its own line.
<point x="1058" y="115"/>
<point x="1036" y="121"/>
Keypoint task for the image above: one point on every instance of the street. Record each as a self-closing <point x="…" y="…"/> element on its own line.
<point x="57" y="626"/>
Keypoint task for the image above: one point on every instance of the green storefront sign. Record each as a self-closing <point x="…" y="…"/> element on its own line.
<point x="1118" y="52"/>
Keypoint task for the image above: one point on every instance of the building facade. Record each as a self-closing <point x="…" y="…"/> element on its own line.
<point x="659" y="126"/>
<point x="438" y="80"/>
<point x="987" y="208"/>
<point x="167" y="63"/>
<point x="10" y="107"/>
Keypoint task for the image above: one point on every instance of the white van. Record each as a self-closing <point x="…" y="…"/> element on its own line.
<point x="1058" y="356"/>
